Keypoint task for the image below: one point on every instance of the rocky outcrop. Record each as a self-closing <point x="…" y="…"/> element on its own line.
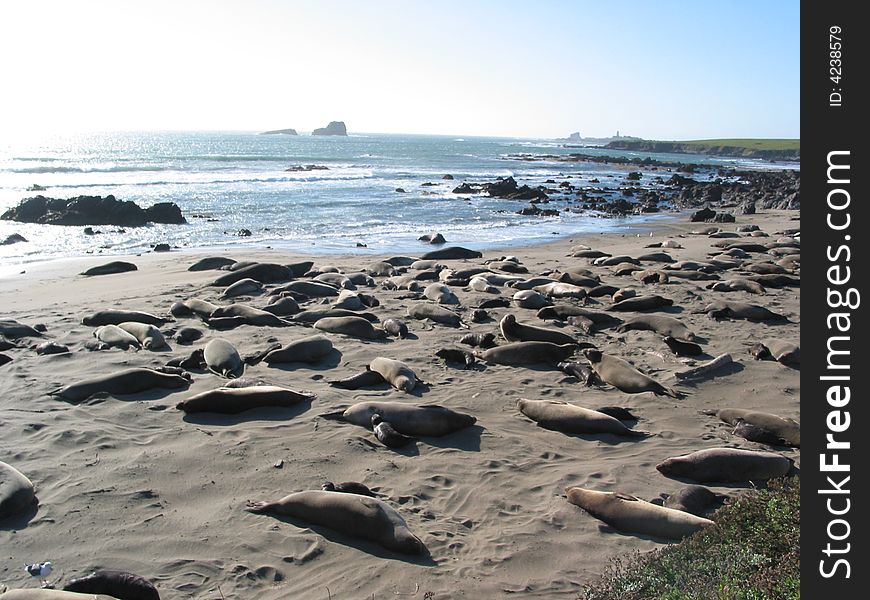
<point x="700" y="148"/>
<point x="305" y="168"/>
<point x="334" y="128"/>
<point x="92" y="210"/>
<point x="504" y="187"/>
<point x="280" y="132"/>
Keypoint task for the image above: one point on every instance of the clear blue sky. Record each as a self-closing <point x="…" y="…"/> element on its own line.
<point x="662" y="70"/>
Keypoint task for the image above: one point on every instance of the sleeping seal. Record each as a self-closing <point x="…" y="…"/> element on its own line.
<point x="410" y="419"/>
<point x="569" y="418"/>
<point x="397" y="373"/>
<point x="116" y="317"/>
<point x="16" y="491"/>
<point x="311" y="349"/>
<point x="528" y="353"/>
<point x="661" y="324"/>
<point x="230" y="401"/>
<point x="223" y="359"/>
<point x="351" y="326"/>
<point x="115" y="337"/>
<point x="117" y="584"/>
<point x="129" y="381"/>
<point x="624" y="377"/>
<point x="147" y="335"/>
<point x="726" y="465"/>
<point x="434" y="313"/>
<point x="350" y="514"/>
<point x="786" y="430"/>
<point x="632" y="515"/>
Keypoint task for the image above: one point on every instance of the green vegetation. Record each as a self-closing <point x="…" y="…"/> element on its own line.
<point x="751" y="553"/>
<point x="752" y="144"/>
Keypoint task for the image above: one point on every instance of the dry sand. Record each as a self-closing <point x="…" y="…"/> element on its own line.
<point x="133" y="484"/>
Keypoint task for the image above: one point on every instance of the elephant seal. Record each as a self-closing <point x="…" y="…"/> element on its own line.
<point x="638" y="303"/>
<point x="513" y="331"/>
<point x="624" y="377"/>
<point x="440" y="294"/>
<point x="695" y="499"/>
<point x="201" y="308"/>
<point x="387" y="435"/>
<point x="118" y="266"/>
<point x="350" y="514"/>
<point x="230" y="401"/>
<point x="347" y="487"/>
<point x="311" y="349"/>
<point x="560" y="289"/>
<point x="531" y="299"/>
<point x="661" y="324"/>
<point x="116" y="317"/>
<point x="195" y="361"/>
<point x="776" y="281"/>
<point x="741" y="310"/>
<point x="480" y="340"/>
<point x="117" y="584"/>
<point x="681" y="348"/>
<point x="737" y="285"/>
<point x="128" y="381"/>
<point x="396" y="327"/>
<point x="360" y="380"/>
<point x="222" y="358"/>
<point x="283" y="307"/>
<point x="249" y="315"/>
<point x="337" y="279"/>
<point x="312" y="289"/>
<point x="456" y="355"/>
<point x="451" y="253"/>
<point x="479" y="284"/>
<point x="313" y="315"/>
<point x="569" y="418"/>
<point x="48" y="348"/>
<point x="602" y="290"/>
<point x="45" y="594"/>
<point x="351" y="326"/>
<point x="726" y="465"/>
<point x="495" y="303"/>
<point x="632" y="515"/>
<point x="435" y="313"/>
<point x="410" y="419"/>
<point x="788" y="431"/>
<point x="259" y="272"/>
<point x="755" y="433"/>
<point x="115" y="337"/>
<point x="528" y="353"/>
<point x="13" y="329"/>
<point x="398" y="374"/>
<point x="582" y="372"/>
<point x="787" y="353"/>
<point x="527" y="284"/>
<point x="561" y="312"/>
<point x="187" y="335"/>
<point x="243" y="287"/>
<point x="148" y="335"/>
<point x="16" y="491"/>
<point x="211" y="263"/>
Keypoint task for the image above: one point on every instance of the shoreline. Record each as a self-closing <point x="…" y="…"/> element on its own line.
<point x="649" y="222"/>
<point x="131" y="483"/>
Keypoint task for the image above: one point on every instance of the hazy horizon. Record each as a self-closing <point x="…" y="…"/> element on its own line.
<point x="490" y="69"/>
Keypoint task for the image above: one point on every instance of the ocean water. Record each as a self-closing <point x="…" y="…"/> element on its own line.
<point x="227" y="181"/>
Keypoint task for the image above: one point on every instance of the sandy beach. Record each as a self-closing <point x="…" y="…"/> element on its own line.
<point x="132" y="483"/>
